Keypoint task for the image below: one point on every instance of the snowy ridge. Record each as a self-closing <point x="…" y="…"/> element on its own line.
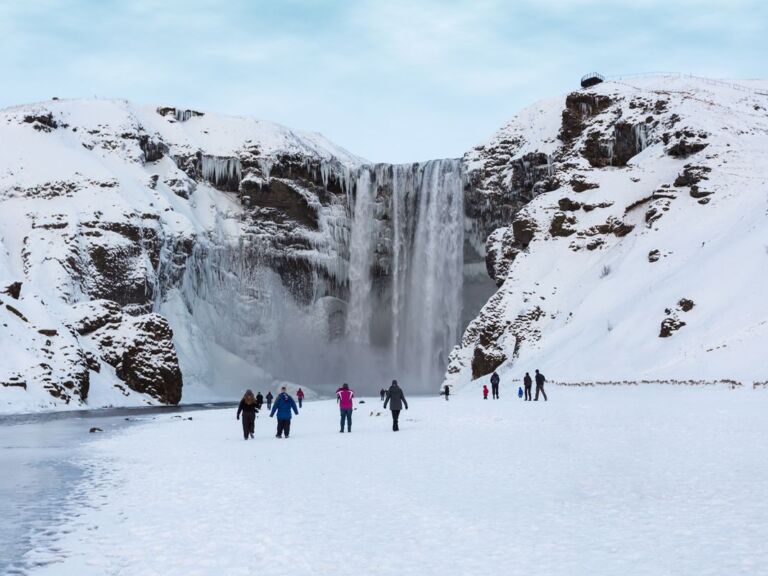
<point x="642" y="254"/>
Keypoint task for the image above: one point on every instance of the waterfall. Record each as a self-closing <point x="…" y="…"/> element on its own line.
<point x="406" y="266"/>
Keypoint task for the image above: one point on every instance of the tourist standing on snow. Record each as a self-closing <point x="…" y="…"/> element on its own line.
<point x="495" y="385"/>
<point x="248" y="409"/>
<point x="345" y="396"/>
<point x="527" y="382"/>
<point x="284" y="404"/>
<point x="300" y="396"/>
<point x="259" y="401"/>
<point x="485" y="392"/>
<point x="446" y="392"/>
<point x="396" y="400"/>
<point x="269" y="400"/>
<point x="540" y="385"/>
<point x="383" y="394"/>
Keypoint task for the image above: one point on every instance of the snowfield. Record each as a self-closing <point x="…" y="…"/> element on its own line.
<point x="621" y="480"/>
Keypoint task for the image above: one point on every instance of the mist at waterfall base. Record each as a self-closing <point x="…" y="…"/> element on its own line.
<point x="402" y="262"/>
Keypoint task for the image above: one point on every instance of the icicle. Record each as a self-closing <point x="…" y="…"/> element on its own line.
<point x="221" y="171"/>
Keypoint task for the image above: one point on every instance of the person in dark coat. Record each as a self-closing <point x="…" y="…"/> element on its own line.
<point x="284" y="404"/>
<point x="540" y="385"/>
<point x="248" y="409"/>
<point x="300" y="396"/>
<point x="527" y="383"/>
<point x="495" y="385"/>
<point x="446" y="391"/>
<point x="269" y="400"/>
<point x="396" y="400"/>
<point x="383" y="394"/>
<point x="259" y="401"/>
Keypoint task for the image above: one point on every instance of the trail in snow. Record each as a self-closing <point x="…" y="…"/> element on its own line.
<point x="627" y="480"/>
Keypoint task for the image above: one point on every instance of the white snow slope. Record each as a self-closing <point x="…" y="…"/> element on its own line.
<point x="589" y="306"/>
<point x="466" y="487"/>
<point x="74" y="185"/>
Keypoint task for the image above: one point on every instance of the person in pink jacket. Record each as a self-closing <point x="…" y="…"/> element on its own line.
<point x="345" y="396"/>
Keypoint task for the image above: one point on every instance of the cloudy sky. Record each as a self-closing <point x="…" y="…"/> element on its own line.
<point x="391" y="80"/>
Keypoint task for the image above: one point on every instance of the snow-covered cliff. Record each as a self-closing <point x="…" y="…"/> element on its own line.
<point x="164" y="255"/>
<point x="635" y="245"/>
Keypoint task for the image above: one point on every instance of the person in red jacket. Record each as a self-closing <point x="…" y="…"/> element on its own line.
<point x="300" y="396"/>
<point x="345" y="396"/>
<point x="485" y="392"/>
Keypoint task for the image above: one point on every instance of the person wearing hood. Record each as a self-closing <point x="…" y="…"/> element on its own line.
<point x="345" y="397"/>
<point x="396" y="400"/>
<point x="485" y="392"/>
<point x="300" y="396"/>
<point x="383" y="394"/>
<point x="259" y="400"/>
<point x="248" y="409"/>
<point x="495" y="385"/>
<point x="284" y="404"/>
<point x="269" y="400"/>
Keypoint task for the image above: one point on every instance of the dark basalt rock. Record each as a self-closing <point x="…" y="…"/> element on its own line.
<point x="685" y="304"/>
<point x="684" y="148"/>
<point x="138" y="365"/>
<point x="153" y="150"/>
<point x="568" y="205"/>
<point x="41" y="122"/>
<point x="579" y="107"/>
<point x="579" y="184"/>
<point x="532" y="175"/>
<point x="13" y="290"/>
<point x="280" y="195"/>
<point x="692" y="175"/>
<point x="654" y="255"/>
<point x="669" y="326"/>
<point x="561" y="225"/>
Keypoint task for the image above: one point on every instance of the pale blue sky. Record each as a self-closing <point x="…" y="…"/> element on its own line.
<point x="391" y="80"/>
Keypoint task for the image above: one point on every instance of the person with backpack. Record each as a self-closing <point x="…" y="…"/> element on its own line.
<point x="495" y="385"/>
<point x="259" y="401"/>
<point x="485" y="392"/>
<point x="248" y="409"/>
<point x="300" y="396"/>
<point x="540" y="385"/>
<point x="284" y="404"/>
<point x="396" y="400"/>
<point x="269" y="400"/>
<point x="446" y="391"/>
<point x="527" y="382"/>
<point x="344" y="397"/>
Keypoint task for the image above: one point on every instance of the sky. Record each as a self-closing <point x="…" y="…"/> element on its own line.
<point x="390" y="80"/>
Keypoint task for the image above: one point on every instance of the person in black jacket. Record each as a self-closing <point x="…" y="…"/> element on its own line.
<point x="248" y="409"/>
<point x="259" y="401"/>
<point x="540" y="385"/>
<point x="269" y="400"/>
<point x="446" y="392"/>
<point x="396" y="400"/>
<point x="383" y="394"/>
<point x="495" y="386"/>
<point x="527" y="382"/>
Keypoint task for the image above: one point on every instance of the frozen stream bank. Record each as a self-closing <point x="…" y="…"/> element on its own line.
<point x="604" y="481"/>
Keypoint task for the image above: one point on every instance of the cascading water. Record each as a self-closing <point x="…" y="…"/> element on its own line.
<point x="407" y="249"/>
<point x="385" y="288"/>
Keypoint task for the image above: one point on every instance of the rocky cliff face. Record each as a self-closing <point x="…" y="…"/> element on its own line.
<point x="618" y="202"/>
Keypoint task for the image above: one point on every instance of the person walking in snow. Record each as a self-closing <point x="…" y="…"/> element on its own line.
<point x="300" y="396"/>
<point x="269" y="400"/>
<point x="540" y="385"/>
<point x="248" y="409"/>
<point x="527" y="383"/>
<point x="495" y="385"/>
<point x="383" y="394"/>
<point x="344" y="397"/>
<point x="284" y="404"/>
<point x="396" y="400"/>
<point x="447" y="392"/>
<point x="485" y="392"/>
<point x="259" y="401"/>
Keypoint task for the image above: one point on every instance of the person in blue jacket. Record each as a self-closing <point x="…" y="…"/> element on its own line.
<point x="283" y="406"/>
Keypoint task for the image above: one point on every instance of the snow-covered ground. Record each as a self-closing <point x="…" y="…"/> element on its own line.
<point x="618" y="480"/>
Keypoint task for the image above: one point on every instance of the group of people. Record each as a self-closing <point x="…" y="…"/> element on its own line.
<point x="527" y="385"/>
<point x="285" y="407"/>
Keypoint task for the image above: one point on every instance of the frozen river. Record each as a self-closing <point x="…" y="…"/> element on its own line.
<point x="41" y="475"/>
